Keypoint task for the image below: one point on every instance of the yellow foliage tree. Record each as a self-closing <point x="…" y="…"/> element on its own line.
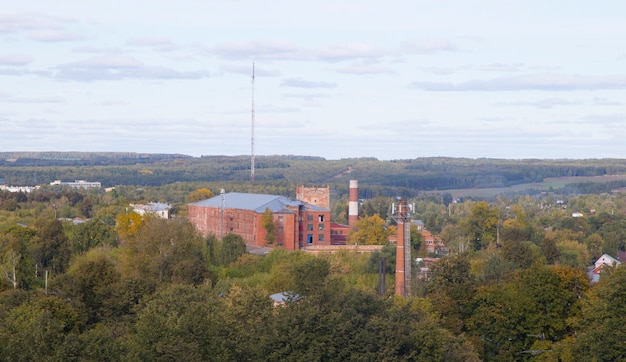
<point x="370" y="230"/>
<point x="127" y="224"/>
<point x="199" y="194"/>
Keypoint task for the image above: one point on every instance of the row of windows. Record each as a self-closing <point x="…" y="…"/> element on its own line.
<point x="320" y="218"/>
<point x="320" y="227"/>
<point x="309" y="238"/>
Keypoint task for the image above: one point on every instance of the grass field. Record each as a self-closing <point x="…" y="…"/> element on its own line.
<point x="546" y="185"/>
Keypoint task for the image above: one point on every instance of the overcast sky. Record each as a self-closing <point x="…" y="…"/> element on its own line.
<point x="393" y="79"/>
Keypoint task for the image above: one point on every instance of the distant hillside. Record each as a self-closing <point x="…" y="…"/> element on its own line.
<point x="82" y="158"/>
<point x="396" y="177"/>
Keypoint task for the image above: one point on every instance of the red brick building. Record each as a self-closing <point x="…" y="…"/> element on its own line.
<point x="297" y="223"/>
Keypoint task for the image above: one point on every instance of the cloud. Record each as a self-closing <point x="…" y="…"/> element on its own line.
<point x="610" y="119"/>
<point x="15" y="59"/>
<point x="119" y="66"/>
<point x="268" y="50"/>
<point x="542" y="103"/>
<point x="37" y="27"/>
<point x="281" y="50"/>
<point x="52" y="35"/>
<point x="157" y="43"/>
<point x="426" y="46"/>
<point x="606" y="102"/>
<point x="349" y="51"/>
<point x="365" y="70"/>
<point x="5" y="98"/>
<point x="247" y="70"/>
<point x="301" y="83"/>
<point x="541" y="81"/>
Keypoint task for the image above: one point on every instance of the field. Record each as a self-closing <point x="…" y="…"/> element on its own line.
<point x="547" y="185"/>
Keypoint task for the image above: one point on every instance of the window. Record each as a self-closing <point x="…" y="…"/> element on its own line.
<point x="320" y="227"/>
<point x="309" y="227"/>
<point x="320" y="218"/>
<point x="309" y="238"/>
<point x="320" y="237"/>
<point x="309" y="217"/>
<point x="280" y="229"/>
<point x="280" y="219"/>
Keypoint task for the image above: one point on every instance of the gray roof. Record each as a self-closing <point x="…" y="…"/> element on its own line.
<point x="255" y="202"/>
<point x="284" y="297"/>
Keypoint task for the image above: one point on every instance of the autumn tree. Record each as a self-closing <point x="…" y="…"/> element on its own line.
<point x="370" y="230"/>
<point x="199" y="194"/>
<point x="127" y="224"/>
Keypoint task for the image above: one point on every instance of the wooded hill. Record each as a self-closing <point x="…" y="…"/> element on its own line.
<point x="379" y="177"/>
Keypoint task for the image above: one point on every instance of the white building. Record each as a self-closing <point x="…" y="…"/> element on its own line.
<point x="154" y="208"/>
<point x="78" y="184"/>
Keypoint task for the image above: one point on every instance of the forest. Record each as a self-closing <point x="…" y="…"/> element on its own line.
<point x="84" y="279"/>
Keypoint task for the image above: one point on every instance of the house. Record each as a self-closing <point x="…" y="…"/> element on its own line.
<point x="603" y="261"/>
<point x="433" y="243"/>
<point x="284" y="297"/>
<point x="153" y="208"/>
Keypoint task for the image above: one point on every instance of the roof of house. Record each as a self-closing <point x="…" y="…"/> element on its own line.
<point x="256" y="202"/>
<point x="607" y="259"/>
<point x="284" y="297"/>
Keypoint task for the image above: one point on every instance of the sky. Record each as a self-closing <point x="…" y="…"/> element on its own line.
<point x="395" y="79"/>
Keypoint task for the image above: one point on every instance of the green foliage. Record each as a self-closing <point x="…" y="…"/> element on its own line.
<point x="176" y="324"/>
<point x="267" y="221"/>
<point x="36" y="330"/>
<point x="90" y="283"/>
<point x="481" y="224"/>
<point x="231" y="249"/>
<point x="165" y="250"/>
<point x="388" y="252"/>
<point x="51" y="247"/>
<point x="93" y="233"/>
<point x="601" y="330"/>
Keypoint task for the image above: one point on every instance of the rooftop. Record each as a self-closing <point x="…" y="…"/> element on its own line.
<point x="255" y="202"/>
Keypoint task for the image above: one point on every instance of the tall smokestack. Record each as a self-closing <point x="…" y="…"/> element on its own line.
<point x="403" y="250"/>
<point x="353" y="204"/>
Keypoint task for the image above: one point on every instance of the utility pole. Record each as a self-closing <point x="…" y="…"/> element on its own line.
<point x="252" y="134"/>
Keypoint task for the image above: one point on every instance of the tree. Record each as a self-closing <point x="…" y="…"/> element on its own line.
<point x="165" y="250"/>
<point x="267" y="221"/>
<point x="51" y="247"/>
<point x="601" y="328"/>
<point x="89" y="281"/>
<point x="370" y="230"/>
<point x="231" y="249"/>
<point x="16" y="239"/>
<point x="127" y="224"/>
<point x="177" y="324"/>
<point x="9" y="266"/>
<point x="91" y="234"/>
<point x="36" y="330"/>
<point x="451" y="289"/>
<point x="200" y="194"/>
<point x="480" y="225"/>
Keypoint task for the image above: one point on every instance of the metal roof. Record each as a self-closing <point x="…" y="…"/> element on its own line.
<point x="255" y="202"/>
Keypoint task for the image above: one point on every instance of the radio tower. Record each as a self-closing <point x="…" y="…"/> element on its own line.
<point x="252" y="138"/>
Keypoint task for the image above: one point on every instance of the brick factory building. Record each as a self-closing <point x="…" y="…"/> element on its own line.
<point x="297" y="223"/>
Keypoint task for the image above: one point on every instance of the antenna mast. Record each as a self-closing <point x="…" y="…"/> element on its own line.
<point x="252" y="138"/>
